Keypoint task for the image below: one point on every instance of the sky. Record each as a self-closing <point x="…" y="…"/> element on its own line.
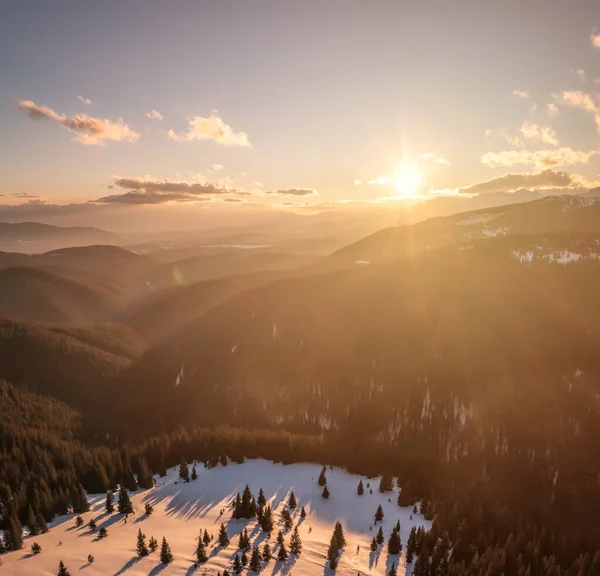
<point x="250" y="102"/>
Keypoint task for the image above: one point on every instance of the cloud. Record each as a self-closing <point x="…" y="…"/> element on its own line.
<point x="211" y="128"/>
<point x="581" y="73"/>
<point x="357" y="182"/>
<point x="552" y="109"/>
<point x="546" y="134"/>
<point x="540" y="158"/>
<point x="578" y="99"/>
<point x="217" y="167"/>
<point x="437" y="159"/>
<point x="503" y="135"/>
<point x="233" y="200"/>
<point x="154" y="115"/>
<point x="84" y="100"/>
<point x="513" y="182"/>
<point x="88" y="130"/>
<point x="595" y="38"/>
<point x="521" y="94"/>
<point x="25" y="195"/>
<point x="294" y="192"/>
<point x="150" y="197"/>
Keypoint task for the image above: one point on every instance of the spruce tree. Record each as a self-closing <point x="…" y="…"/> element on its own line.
<point x="36" y="548"/>
<point x="282" y="553"/>
<point x="361" y="489"/>
<point x="244" y="559"/>
<point x="296" y="543"/>
<point x="223" y="538"/>
<point x="31" y="522"/>
<point x="237" y="565"/>
<point x="266" y="553"/>
<point x="379" y="514"/>
<point x="124" y="506"/>
<point x="386" y="484"/>
<point x="287" y="518"/>
<point x="103" y="532"/>
<point x="206" y="538"/>
<point x="148" y="509"/>
<point x="374" y="544"/>
<point x="325" y="493"/>
<point x="90" y="559"/>
<point x="244" y="540"/>
<point x="13" y="532"/>
<point x="145" y="478"/>
<point x="302" y="513"/>
<point x="261" y="500"/>
<point x="340" y="537"/>
<point x="194" y="473"/>
<point x="394" y="543"/>
<point x="166" y="556"/>
<point x="380" y="537"/>
<point x="184" y="472"/>
<point x="397" y="527"/>
<point x="41" y="523"/>
<point x="92" y="525"/>
<point x="141" y="548"/>
<point x="153" y="544"/>
<point x="292" y="502"/>
<point x="255" y="560"/>
<point x="79" y="521"/>
<point x="201" y="551"/>
<point x="280" y="539"/>
<point x="62" y="570"/>
<point x="267" y="520"/>
<point x="322" y="477"/>
<point x="109" y="507"/>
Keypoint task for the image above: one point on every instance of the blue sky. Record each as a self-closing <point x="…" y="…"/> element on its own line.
<point x="328" y="93"/>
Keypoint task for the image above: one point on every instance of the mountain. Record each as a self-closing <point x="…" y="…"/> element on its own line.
<point x="70" y="364"/>
<point x="37" y="295"/>
<point x="34" y="237"/>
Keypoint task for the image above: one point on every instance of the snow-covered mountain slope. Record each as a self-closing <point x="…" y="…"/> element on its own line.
<point x="181" y="510"/>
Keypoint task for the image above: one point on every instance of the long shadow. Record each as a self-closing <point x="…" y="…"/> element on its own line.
<point x="374" y="557"/>
<point x="157" y="569"/>
<point x="291" y="561"/>
<point x="27" y="556"/>
<point x="130" y="564"/>
<point x="392" y="559"/>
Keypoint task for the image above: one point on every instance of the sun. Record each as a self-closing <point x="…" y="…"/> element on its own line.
<point x="407" y="179"/>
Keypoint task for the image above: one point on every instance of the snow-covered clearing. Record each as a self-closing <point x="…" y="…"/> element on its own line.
<point x="181" y="510"/>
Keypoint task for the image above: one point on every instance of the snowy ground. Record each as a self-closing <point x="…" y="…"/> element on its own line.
<point x="181" y="510"/>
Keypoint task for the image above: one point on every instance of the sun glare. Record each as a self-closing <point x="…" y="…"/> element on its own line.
<point x="407" y="179"/>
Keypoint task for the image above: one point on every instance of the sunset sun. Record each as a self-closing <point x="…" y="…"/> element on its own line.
<point x="407" y="179"/>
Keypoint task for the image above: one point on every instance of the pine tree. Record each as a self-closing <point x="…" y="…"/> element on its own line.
<point x="244" y="559"/>
<point x="302" y="513"/>
<point x="223" y="538"/>
<point x="325" y="493"/>
<point x="184" y="472"/>
<point x="92" y="525"/>
<point x="287" y="518"/>
<point x="206" y="538"/>
<point x="36" y="548"/>
<point x="13" y="532"/>
<point x="103" y="532"/>
<point x="237" y="565"/>
<point x="141" y="548"/>
<point x="380" y="537"/>
<point x="386" y="484"/>
<point x="148" y="509"/>
<point x="255" y="560"/>
<point x="374" y="544"/>
<point x="261" y="500"/>
<point x="280" y="539"/>
<point x="266" y="553"/>
<point x="296" y="543"/>
<point x="62" y="570"/>
<point x="282" y="553"/>
<point x="166" y="556"/>
<point x="292" y="502"/>
<point x="267" y="520"/>
<point x="361" y="489"/>
<point x="145" y="477"/>
<point x="79" y="521"/>
<point x="194" y="473"/>
<point x="322" y="477"/>
<point x="244" y="541"/>
<point x="340" y="538"/>
<point x="30" y="521"/>
<point x="41" y="523"/>
<point x="379" y="514"/>
<point x="124" y="506"/>
<point x="90" y="559"/>
<point x="201" y="551"/>
<point x="2" y="546"/>
<point x="397" y="527"/>
<point x="394" y="543"/>
<point x="109" y="507"/>
<point x="153" y="544"/>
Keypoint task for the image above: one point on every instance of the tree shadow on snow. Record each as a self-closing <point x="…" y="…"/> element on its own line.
<point x="392" y="559"/>
<point x="157" y="569"/>
<point x="129" y="564"/>
<point x="374" y="557"/>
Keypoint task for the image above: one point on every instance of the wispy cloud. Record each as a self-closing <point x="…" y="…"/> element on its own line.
<point x="521" y="94"/>
<point x="582" y="100"/>
<point x="154" y="115"/>
<point x="438" y="159"/>
<point x="552" y="109"/>
<point x="581" y="73"/>
<point x="532" y="131"/>
<point x="539" y="158"/>
<point x="88" y="130"/>
<point x="595" y="38"/>
<point x="293" y="192"/>
<point x="211" y="128"/>
<point x="84" y="100"/>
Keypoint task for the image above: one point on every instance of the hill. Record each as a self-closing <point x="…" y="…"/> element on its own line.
<point x="34" y="237"/>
